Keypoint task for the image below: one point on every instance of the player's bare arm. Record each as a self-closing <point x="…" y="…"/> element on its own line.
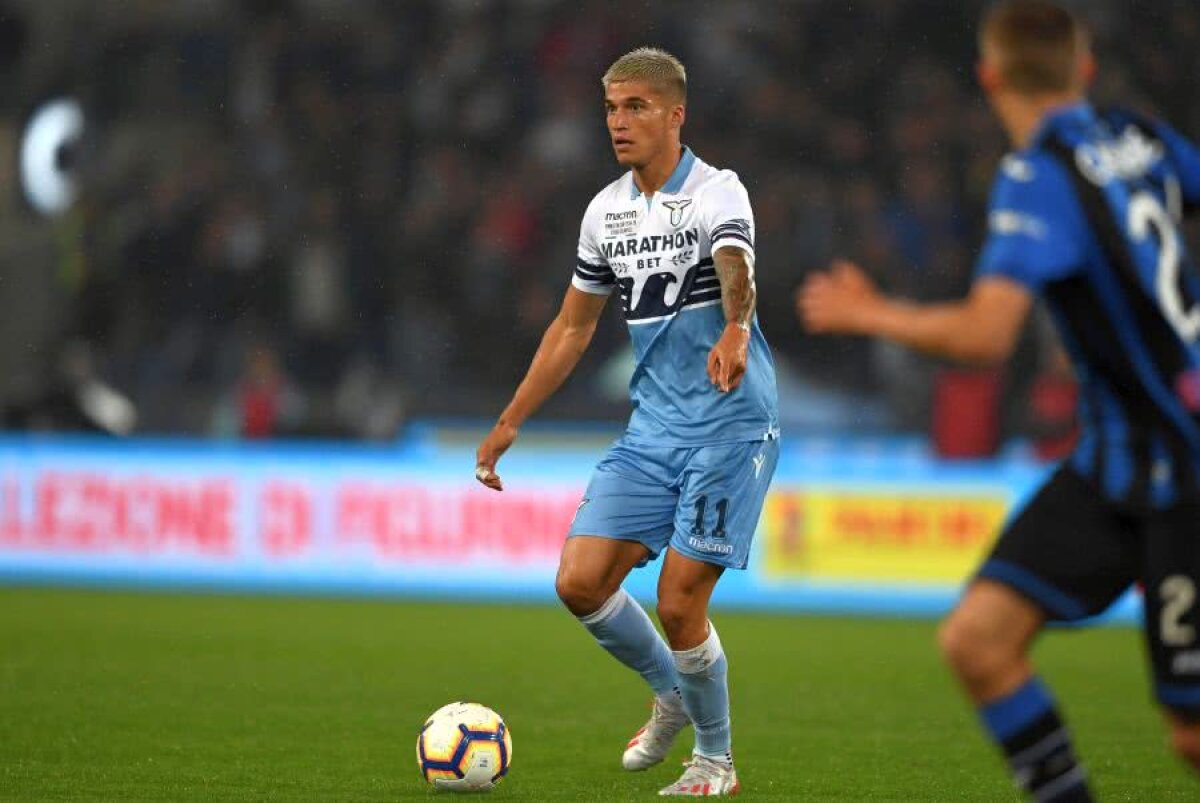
<point x="727" y="360"/>
<point x="565" y="341"/>
<point x="981" y="329"/>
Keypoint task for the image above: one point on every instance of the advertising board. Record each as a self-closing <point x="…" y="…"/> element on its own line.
<point x="867" y="528"/>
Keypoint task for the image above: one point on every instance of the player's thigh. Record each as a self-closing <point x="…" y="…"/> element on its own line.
<point x="1067" y="551"/>
<point x="591" y="563"/>
<point x="1171" y="579"/>
<point x="720" y="501"/>
<point x="630" y="498"/>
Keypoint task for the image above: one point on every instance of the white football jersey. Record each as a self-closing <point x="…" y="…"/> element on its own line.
<point x="657" y="253"/>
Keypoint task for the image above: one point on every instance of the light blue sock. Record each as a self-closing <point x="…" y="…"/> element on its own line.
<point x="623" y="628"/>
<point x="703" y="682"/>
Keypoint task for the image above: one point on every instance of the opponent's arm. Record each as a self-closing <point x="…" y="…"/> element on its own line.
<point x="562" y="345"/>
<point x="727" y="360"/>
<point x="981" y="329"/>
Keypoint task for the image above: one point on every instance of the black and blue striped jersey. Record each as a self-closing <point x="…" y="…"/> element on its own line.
<point x="1087" y="216"/>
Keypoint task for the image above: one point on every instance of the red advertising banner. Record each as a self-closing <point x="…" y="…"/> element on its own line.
<point x="225" y="517"/>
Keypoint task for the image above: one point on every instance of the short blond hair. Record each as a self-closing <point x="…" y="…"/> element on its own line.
<point x="653" y="65"/>
<point x="1040" y="43"/>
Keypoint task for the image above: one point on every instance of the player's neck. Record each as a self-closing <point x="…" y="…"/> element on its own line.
<point x="651" y="177"/>
<point x="1024" y="116"/>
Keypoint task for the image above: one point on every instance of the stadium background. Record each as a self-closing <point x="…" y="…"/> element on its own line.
<point x="315" y="244"/>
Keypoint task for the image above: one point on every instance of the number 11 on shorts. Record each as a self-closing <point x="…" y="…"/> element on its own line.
<point x="722" y="508"/>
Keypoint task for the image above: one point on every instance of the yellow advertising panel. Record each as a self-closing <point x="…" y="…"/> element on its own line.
<point x="893" y="534"/>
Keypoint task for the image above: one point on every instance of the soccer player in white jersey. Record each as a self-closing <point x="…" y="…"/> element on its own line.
<point x="675" y="238"/>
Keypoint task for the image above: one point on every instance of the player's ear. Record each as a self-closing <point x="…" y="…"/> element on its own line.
<point x="678" y="115"/>
<point x="1087" y="68"/>
<point x="987" y="75"/>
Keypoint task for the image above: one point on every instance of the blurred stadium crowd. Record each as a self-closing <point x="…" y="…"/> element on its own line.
<point x="322" y="217"/>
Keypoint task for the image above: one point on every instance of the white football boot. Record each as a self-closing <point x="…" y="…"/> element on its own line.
<point x="650" y="745"/>
<point x="705" y="777"/>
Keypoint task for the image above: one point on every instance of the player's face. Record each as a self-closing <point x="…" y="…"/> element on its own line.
<point x="642" y="122"/>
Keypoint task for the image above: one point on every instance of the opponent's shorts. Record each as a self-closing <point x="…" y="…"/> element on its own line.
<point x="1073" y="554"/>
<point x="703" y="501"/>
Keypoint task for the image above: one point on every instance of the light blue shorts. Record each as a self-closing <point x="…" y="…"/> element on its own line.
<point x="702" y="501"/>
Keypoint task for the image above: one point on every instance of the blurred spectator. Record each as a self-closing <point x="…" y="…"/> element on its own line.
<point x="317" y="302"/>
<point x="263" y="404"/>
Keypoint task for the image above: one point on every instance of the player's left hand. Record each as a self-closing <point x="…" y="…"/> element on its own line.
<point x="836" y="301"/>
<point x="727" y="360"/>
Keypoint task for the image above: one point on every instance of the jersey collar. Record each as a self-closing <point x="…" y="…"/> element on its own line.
<point x="1080" y="112"/>
<point x="675" y="180"/>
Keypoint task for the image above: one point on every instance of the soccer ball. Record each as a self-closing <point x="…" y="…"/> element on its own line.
<point x="464" y="747"/>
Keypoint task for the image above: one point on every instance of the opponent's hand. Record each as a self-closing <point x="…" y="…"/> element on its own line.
<point x="727" y="360"/>
<point x="494" y="445"/>
<point x="837" y="301"/>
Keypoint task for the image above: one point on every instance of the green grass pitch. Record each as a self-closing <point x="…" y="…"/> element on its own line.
<point x="155" y="696"/>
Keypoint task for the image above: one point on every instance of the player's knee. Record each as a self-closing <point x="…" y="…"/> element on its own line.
<point x="678" y="613"/>
<point x="950" y="642"/>
<point x="581" y="595"/>
<point x="1185" y="741"/>
<point x="671" y="614"/>
<point x="970" y="651"/>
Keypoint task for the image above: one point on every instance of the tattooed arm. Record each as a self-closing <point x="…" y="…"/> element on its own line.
<point x="727" y="360"/>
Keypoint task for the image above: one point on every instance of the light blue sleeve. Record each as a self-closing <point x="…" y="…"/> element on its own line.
<point x="1036" y="229"/>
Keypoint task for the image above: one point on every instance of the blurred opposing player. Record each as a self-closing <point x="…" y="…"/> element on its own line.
<point x="1084" y="214"/>
<point x="674" y="237"/>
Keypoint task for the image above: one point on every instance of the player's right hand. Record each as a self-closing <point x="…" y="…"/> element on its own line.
<point x="486" y="456"/>
<point x="836" y="301"/>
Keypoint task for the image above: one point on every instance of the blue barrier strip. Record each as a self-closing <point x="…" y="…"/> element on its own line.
<point x="824" y="599"/>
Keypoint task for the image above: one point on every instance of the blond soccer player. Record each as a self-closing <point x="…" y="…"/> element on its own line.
<point x="673" y="239"/>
